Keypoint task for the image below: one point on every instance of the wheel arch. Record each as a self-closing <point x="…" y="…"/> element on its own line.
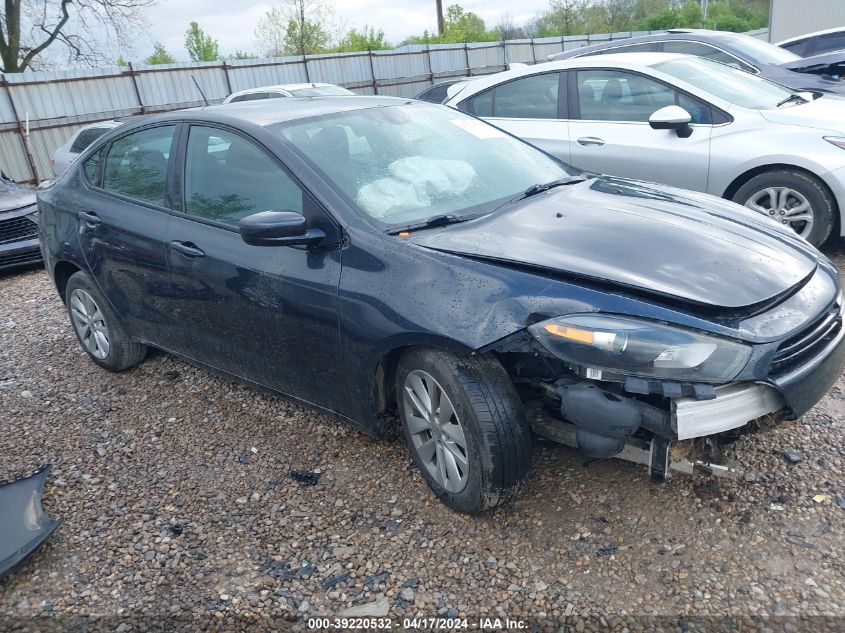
<point x="383" y="374"/>
<point x="62" y="271"/>
<point x="747" y="175"/>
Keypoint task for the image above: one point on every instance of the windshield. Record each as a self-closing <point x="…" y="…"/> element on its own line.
<point x="728" y="83"/>
<point x="760" y="52"/>
<point x="321" y="91"/>
<point x="406" y="163"/>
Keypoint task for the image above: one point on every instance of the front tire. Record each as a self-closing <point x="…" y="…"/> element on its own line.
<point x="98" y="328"/>
<point x="793" y="198"/>
<point x="465" y="426"/>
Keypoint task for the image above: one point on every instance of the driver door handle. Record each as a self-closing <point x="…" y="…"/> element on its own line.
<point x="188" y="249"/>
<point x="91" y="219"/>
<point x="590" y="141"/>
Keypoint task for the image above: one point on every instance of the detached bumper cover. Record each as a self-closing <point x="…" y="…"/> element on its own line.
<point x="23" y="524"/>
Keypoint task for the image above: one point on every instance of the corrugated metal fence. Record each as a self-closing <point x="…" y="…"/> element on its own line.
<point x="40" y="110"/>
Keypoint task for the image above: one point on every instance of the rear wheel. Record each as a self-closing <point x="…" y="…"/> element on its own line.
<point x="465" y="426"/>
<point x="792" y="198"/>
<point x="98" y="329"/>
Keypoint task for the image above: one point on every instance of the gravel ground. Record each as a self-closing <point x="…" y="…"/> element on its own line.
<point x="177" y="501"/>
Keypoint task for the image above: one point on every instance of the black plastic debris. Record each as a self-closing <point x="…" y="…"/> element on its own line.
<point x="23" y="524"/>
<point x="793" y="457"/>
<point x="305" y="477"/>
<point x="840" y="500"/>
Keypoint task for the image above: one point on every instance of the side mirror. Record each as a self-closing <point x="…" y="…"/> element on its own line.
<point x="672" y="118"/>
<point x="278" y="228"/>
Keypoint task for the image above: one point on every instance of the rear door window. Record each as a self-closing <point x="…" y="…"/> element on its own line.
<point x="86" y="137"/>
<point x="532" y="97"/>
<point x="137" y="164"/>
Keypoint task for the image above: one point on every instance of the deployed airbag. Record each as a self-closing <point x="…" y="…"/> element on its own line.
<point x="23" y="524"/>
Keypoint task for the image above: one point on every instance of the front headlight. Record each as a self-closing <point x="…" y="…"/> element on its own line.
<point x="631" y="347"/>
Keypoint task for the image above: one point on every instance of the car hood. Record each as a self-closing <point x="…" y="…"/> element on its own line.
<point x="14" y="196"/>
<point x="817" y="63"/>
<point x="824" y="113"/>
<point x="659" y="240"/>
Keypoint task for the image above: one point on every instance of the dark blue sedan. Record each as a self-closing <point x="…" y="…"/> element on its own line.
<point x="378" y="255"/>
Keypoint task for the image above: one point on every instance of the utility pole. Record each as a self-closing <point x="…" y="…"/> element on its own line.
<point x="441" y="27"/>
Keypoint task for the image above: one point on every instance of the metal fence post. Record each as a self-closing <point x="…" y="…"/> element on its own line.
<point x="430" y="67"/>
<point x="373" y="73"/>
<point x="305" y="64"/>
<point x="505" y="54"/>
<point x="533" y="52"/>
<point x="21" y="131"/>
<point x="134" y="78"/>
<point x="466" y="57"/>
<point x="226" y="75"/>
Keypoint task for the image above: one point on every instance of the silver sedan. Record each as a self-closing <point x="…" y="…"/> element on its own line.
<point x="682" y="121"/>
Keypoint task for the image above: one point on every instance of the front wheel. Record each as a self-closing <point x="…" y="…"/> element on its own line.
<point x="791" y="198"/>
<point x="465" y="426"/>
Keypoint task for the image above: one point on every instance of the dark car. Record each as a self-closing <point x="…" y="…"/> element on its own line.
<point x="376" y="254"/>
<point x="18" y="225"/>
<point x="734" y="49"/>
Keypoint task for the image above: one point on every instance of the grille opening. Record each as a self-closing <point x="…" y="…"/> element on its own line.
<point x="810" y="341"/>
<point x="15" y="229"/>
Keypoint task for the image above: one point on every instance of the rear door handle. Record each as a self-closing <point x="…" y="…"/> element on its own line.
<point x="188" y="249"/>
<point x="91" y="219"/>
<point x="590" y="141"/>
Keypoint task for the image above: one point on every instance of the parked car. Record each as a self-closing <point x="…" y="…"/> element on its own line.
<point x="361" y="254"/>
<point x="734" y="49"/>
<point x="81" y="139"/>
<point x="438" y="93"/>
<point x="683" y="121"/>
<point x="816" y="43"/>
<point x="288" y="90"/>
<point x="18" y="225"/>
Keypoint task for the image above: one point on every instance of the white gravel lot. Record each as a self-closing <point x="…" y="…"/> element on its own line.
<point x="179" y="510"/>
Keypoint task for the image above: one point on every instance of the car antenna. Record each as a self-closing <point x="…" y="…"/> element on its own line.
<point x="202" y="94"/>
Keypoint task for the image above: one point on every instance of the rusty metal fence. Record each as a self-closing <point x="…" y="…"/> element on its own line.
<point x="39" y="111"/>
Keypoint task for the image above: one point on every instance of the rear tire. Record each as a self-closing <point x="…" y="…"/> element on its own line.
<point x="793" y="197"/>
<point x="99" y="330"/>
<point x="474" y="449"/>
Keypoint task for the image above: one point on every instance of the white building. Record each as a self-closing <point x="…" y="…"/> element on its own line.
<point x="791" y="18"/>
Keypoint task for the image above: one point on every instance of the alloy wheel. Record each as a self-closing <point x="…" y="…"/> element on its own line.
<point x="436" y="431"/>
<point x="90" y="324"/>
<point x="784" y="205"/>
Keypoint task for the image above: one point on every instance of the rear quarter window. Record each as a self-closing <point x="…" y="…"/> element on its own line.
<point x="85" y="138"/>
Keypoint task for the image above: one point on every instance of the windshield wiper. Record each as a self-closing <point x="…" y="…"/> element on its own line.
<point x="795" y="96"/>
<point x="433" y="221"/>
<point x="533" y="190"/>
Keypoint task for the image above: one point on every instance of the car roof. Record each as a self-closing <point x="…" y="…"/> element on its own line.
<point x="107" y="124"/>
<point x="703" y="35"/>
<point x="806" y="36"/>
<point x="280" y="87"/>
<point x="267" y="112"/>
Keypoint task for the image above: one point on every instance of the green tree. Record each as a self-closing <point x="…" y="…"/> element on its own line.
<point x="241" y="55"/>
<point x="367" y="39"/>
<point x="160" y="55"/>
<point x="201" y="47"/>
<point x="294" y="27"/>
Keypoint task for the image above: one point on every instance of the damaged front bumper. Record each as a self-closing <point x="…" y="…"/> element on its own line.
<point x="23" y="524"/>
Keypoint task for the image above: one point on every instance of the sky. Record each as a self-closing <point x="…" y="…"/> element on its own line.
<point x="232" y="22"/>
